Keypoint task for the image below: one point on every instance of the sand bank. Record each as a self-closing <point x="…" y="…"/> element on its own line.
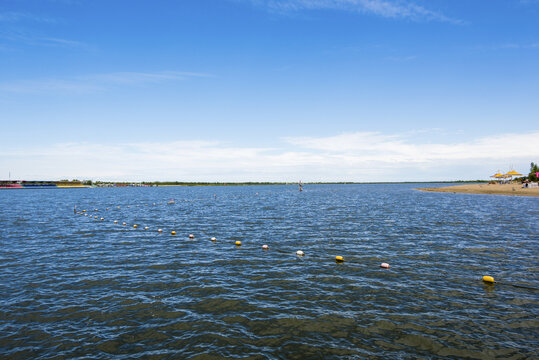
<point x="492" y="189"/>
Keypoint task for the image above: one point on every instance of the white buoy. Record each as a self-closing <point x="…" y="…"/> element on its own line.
<point x="159" y="230"/>
<point x="191" y="236"/>
<point x="384" y="265"/>
<point x="300" y="253"/>
<point x="124" y="223"/>
<point x="116" y="221"/>
<point x="146" y="228"/>
<point x="213" y="239"/>
<point x="265" y="247"/>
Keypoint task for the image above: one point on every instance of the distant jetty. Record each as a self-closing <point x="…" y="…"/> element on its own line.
<point x="24" y="184"/>
<point x="489" y="189"/>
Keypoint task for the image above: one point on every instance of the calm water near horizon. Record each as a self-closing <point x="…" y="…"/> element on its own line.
<point x="76" y="287"/>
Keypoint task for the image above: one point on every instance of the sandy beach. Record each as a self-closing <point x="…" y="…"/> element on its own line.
<point x="491" y="189"/>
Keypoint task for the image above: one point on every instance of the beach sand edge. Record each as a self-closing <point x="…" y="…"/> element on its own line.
<point x="486" y="189"/>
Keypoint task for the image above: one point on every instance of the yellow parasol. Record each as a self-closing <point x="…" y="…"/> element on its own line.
<point x="512" y="173"/>
<point x="499" y="176"/>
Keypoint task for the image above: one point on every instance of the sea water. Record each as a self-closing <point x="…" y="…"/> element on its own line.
<point x="78" y="287"/>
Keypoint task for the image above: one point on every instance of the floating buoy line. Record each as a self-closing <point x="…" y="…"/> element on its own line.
<point x="487" y="279"/>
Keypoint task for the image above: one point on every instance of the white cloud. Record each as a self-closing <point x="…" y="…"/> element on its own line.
<point x="345" y="157"/>
<point x="389" y="148"/>
<point x="94" y="82"/>
<point x="384" y="8"/>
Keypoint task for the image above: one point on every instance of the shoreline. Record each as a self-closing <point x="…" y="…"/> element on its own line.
<point x="486" y="189"/>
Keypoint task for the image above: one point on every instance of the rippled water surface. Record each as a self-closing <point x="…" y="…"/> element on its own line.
<point x="73" y="286"/>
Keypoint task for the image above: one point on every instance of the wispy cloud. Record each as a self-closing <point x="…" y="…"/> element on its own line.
<point x="34" y="39"/>
<point x="27" y="29"/>
<point x="346" y="157"/>
<point x="95" y="82"/>
<point x="405" y="9"/>
<point x="14" y="17"/>
<point x="519" y="46"/>
<point x="401" y="58"/>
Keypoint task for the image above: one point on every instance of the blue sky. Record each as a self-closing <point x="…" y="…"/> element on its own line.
<point x="268" y="90"/>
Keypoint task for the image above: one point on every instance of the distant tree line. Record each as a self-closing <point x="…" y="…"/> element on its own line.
<point x="185" y="183"/>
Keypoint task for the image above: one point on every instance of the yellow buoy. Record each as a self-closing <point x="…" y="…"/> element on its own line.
<point x="173" y="232"/>
<point x="238" y="243"/>
<point x="135" y="226"/>
<point x="488" y="279"/>
<point x="339" y="259"/>
<point x="116" y="221"/>
<point x="102" y="219"/>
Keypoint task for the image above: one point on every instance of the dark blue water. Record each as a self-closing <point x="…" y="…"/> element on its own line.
<point x="72" y="286"/>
